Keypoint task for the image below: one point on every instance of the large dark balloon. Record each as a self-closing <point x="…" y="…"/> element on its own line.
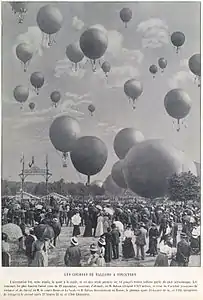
<point x="21" y="93"/>
<point x="126" y="15"/>
<point x="126" y="139"/>
<point x="195" y="64"/>
<point x="49" y="19"/>
<point x="37" y="80"/>
<point x="111" y="187"/>
<point x="89" y="155"/>
<point x="93" y="43"/>
<point x="63" y="133"/>
<point x="117" y="174"/>
<point x="178" y="39"/>
<point x="148" y="165"/>
<point x="74" y="53"/>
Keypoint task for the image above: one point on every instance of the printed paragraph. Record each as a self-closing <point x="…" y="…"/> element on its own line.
<point x="88" y="287"/>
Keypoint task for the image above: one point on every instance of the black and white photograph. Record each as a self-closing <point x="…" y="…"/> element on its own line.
<point x="101" y="134"/>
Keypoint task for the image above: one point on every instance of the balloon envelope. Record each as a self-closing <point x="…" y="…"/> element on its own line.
<point x="117" y="174"/>
<point x="177" y="103"/>
<point x="195" y="64"/>
<point x="63" y="133"/>
<point x="125" y="139"/>
<point x="153" y="69"/>
<point x="106" y="67"/>
<point x="24" y="52"/>
<point x="91" y="108"/>
<point x="133" y="88"/>
<point x="19" y="6"/>
<point x="49" y="19"/>
<point x="31" y="105"/>
<point x="162" y="63"/>
<point x="55" y="96"/>
<point x="178" y="38"/>
<point x="37" y="79"/>
<point x="74" y="53"/>
<point x="89" y="155"/>
<point x="21" y="93"/>
<point x="148" y="165"/>
<point x="111" y="187"/>
<point x="126" y="14"/>
<point x="93" y="43"/>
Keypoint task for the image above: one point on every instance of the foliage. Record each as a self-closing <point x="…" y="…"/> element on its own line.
<point x="184" y="187"/>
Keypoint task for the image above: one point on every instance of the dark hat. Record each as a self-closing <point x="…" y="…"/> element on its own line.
<point x="183" y="235"/>
<point x="93" y="248"/>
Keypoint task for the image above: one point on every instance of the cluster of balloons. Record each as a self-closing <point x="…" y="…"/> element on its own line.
<point x="153" y="69"/>
<point x="88" y="153"/>
<point x="145" y="166"/>
<point x="19" y="9"/>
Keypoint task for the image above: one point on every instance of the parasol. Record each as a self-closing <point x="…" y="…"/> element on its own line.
<point x="44" y="231"/>
<point x="13" y="231"/>
<point x="109" y="211"/>
<point x="39" y="206"/>
<point x="76" y="219"/>
<point x="119" y="225"/>
<point x="99" y="207"/>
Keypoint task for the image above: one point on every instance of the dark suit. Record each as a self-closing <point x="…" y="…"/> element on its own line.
<point x="141" y="242"/>
<point x="115" y="242"/>
<point x="183" y="253"/>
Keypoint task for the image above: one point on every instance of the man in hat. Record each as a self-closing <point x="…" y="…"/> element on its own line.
<point x="73" y="254"/>
<point x="141" y="240"/>
<point x="28" y="245"/>
<point x="183" y="251"/>
<point x="115" y="241"/>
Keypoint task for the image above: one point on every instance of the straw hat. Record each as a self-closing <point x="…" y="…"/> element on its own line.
<point x="74" y="241"/>
<point x="101" y="241"/>
<point x="93" y="248"/>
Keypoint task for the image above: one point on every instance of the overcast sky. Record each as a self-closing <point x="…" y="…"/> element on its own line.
<point x="130" y="51"/>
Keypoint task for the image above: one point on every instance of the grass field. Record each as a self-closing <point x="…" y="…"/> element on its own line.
<point x="56" y="256"/>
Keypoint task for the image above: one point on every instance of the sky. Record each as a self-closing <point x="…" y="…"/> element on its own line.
<point x="130" y="52"/>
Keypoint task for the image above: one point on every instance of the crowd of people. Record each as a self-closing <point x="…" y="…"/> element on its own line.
<point x="171" y="231"/>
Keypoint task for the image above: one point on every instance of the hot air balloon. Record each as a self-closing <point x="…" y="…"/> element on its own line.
<point x="74" y="54"/>
<point x="178" y="39"/>
<point x="31" y="106"/>
<point x="49" y="20"/>
<point x="148" y="166"/>
<point x="19" y="8"/>
<point x="55" y="97"/>
<point x="187" y="164"/>
<point x="177" y="104"/>
<point x="117" y="174"/>
<point x="125" y="139"/>
<point x="37" y="81"/>
<point x="24" y="53"/>
<point x="106" y="67"/>
<point x="21" y="94"/>
<point x="195" y="66"/>
<point x="63" y="133"/>
<point x="133" y="89"/>
<point x="91" y="109"/>
<point x="93" y="43"/>
<point x="153" y="69"/>
<point x="89" y="155"/>
<point x="162" y="63"/>
<point x="126" y="15"/>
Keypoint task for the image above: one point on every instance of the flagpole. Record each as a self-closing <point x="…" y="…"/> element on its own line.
<point x="22" y="177"/>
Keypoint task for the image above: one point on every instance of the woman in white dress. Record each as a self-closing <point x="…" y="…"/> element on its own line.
<point x="100" y="225"/>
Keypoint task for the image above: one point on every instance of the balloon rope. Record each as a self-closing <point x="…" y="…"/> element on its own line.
<point x="178" y="125"/>
<point x="88" y="180"/>
<point x="76" y="67"/>
<point x="134" y="105"/>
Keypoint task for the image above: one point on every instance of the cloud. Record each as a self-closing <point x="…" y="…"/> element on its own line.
<point x="184" y="63"/>
<point x="154" y="33"/>
<point x="34" y="37"/>
<point x="77" y="23"/>
<point x="102" y="124"/>
<point x="64" y="67"/>
<point x="115" y="42"/>
<point x="179" y="79"/>
<point x="24" y="122"/>
<point x="119" y="75"/>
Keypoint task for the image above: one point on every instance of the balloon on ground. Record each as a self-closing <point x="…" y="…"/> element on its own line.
<point x="125" y="139"/>
<point x="117" y="174"/>
<point x="148" y="165"/>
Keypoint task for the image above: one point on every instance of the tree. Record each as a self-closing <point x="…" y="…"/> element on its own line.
<point x="184" y="187"/>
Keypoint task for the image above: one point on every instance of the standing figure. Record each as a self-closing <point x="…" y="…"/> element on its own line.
<point x="76" y="220"/>
<point x="73" y="254"/>
<point x="108" y="246"/>
<point x="101" y="245"/>
<point x="115" y="241"/>
<point x="6" y="257"/>
<point x="100" y="225"/>
<point x="29" y="240"/>
<point x="128" y="249"/>
<point x="92" y="261"/>
<point x="183" y="251"/>
<point x="40" y="249"/>
<point x="141" y="241"/>
<point x="153" y="236"/>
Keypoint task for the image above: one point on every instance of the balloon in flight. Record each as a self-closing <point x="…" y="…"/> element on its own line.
<point x="162" y="62"/>
<point x="63" y="133"/>
<point x="93" y="43"/>
<point x="133" y="89"/>
<point x="91" y="109"/>
<point x="37" y="81"/>
<point x="125" y="139"/>
<point x="195" y="65"/>
<point x="49" y="20"/>
<point x="177" y="104"/>
<point x="55" y="97"/>
<point x="126" y="15"/>
<point x="177" y="39"/>
<point x="21" y="94"/>
<point x="24" y="53"/>
<point x="153" y="70"/>
<point x="19" y="8"/>
<point x="74" y="54"/>
<point x="89" y="155"/>
<point x="106" y="67"/>
<point x="31" y="106"/>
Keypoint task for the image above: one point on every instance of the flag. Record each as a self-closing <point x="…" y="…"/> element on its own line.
<point x="22" y="158"/>
<point x="32" y="162"/>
